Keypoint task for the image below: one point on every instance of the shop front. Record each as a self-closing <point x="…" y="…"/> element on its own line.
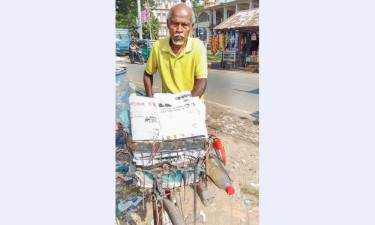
<point x="237" y="40"/>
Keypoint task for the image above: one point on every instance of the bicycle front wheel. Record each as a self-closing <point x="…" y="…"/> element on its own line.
<point x="173" y="213"/>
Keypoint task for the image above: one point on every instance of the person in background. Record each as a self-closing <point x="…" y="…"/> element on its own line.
<point x="133" y="49"/>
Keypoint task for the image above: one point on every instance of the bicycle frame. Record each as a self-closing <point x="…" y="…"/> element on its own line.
<point x="171" y="164"/>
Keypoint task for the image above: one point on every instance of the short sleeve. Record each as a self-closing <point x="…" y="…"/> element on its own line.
<point x="152" y="62"/>
<point x="201" y="62"/>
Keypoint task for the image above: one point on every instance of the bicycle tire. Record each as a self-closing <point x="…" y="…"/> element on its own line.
<point x="173" y="213"/>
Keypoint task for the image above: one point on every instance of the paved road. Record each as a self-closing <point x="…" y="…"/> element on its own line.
<point x="235" y="89"/>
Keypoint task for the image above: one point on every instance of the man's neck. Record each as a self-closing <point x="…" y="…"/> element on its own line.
<point x="177" y="49"/>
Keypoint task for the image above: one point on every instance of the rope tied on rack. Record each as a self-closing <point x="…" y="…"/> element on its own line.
<point x="153" y="152"/>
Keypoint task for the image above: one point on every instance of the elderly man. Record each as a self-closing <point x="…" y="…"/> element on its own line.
<point x="182" y="65"/>
<point x="180" y="59"/>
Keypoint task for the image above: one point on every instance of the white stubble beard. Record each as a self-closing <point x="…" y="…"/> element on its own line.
<point x="178" y="42"/>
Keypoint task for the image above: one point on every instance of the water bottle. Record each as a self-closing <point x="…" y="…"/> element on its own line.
<point x="123" y="92"/>
<point x="219" y="176"/>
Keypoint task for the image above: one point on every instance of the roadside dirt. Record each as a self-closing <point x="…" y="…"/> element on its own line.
<point x="240" y="137"/>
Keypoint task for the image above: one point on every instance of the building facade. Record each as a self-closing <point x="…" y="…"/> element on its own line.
<point x="209" y="3"/>
<point x="215" y="12"/>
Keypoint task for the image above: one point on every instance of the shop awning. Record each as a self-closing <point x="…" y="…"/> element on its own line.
<point x="241" y="20"/>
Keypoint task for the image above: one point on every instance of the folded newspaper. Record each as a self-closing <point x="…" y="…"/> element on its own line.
<point x="167" y="117"/>
<point x="175" y="157"/>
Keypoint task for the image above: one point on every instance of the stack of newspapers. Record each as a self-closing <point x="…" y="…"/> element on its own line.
<point x="167" y="117"/>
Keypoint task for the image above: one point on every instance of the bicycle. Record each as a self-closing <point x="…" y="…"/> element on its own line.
<point x="162" y="168"/>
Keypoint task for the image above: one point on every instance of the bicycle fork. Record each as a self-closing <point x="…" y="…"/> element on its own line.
<point x="157" y="192"/>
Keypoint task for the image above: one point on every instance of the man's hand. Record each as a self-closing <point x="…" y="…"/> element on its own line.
<point x="148" y="81"/>
<point x="118" y="126"/>
<point x="199" y="87"/>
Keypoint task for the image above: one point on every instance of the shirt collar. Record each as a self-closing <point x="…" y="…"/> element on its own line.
<point x="188" y="45"/>
<point x="167" y="48"/>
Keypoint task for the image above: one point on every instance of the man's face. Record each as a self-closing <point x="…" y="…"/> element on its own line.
<point x="180" y="25"/>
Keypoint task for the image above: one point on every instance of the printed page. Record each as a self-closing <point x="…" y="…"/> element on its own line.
<point x="196" y="111"/>
<point x="144" y="119"/>
<point x="181" y="116"/>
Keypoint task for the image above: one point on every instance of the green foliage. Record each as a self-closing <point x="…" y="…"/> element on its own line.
<point x="126" y="15"/>
<point x="155" y="25"/>
<point x="151" y="3"/>
<point x="215" y="58"/>
<point x="196" y="4"/>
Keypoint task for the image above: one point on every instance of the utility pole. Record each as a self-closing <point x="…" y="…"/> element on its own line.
<point x="139" y="16"/>
<point x="197" y="22"/>
<point x="149" y="26"/>
<point x="149" y="18"/>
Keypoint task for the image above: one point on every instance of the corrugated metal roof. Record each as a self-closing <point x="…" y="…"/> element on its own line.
<point x="241" y="19"/>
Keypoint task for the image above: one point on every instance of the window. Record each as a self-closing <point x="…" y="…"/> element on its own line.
<point x="123" y="35"/>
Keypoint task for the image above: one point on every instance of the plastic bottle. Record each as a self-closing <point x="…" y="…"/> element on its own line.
<point x="219" y="176"/>
<point x="123" y="92"/>
<point x="219" y="149"/>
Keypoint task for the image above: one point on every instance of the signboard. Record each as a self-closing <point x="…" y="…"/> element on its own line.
<point x="229" y="56"/>
<point x="145" y="16"/>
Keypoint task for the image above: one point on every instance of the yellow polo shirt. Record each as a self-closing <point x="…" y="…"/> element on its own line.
<point x="178" y="73"/>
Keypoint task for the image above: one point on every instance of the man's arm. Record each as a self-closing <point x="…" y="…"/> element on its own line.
<point x="151" y="69"/>
<point x="200" y="72"/>
<point x="199" y="87"/>
<point x="148" y="81"/>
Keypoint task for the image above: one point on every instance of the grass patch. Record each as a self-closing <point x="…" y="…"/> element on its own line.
<point x="249" y="190"/>
<point x="211" y="58"/>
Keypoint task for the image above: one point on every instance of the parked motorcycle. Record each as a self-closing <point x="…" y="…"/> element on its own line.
<point x="138" y="57"/>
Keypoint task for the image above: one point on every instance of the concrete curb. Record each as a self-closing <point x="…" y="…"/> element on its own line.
<point x="235" y="71"/>
<point x="232" y="109"/>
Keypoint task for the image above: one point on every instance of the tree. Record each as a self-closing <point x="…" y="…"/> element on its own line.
<point x="126" y="14"/>
<point x="197" y="5"/>
<point x="155" y="26"/>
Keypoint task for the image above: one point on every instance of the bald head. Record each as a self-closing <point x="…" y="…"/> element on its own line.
<point x="180" y="22"/>
<point x="181" y="7"/>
